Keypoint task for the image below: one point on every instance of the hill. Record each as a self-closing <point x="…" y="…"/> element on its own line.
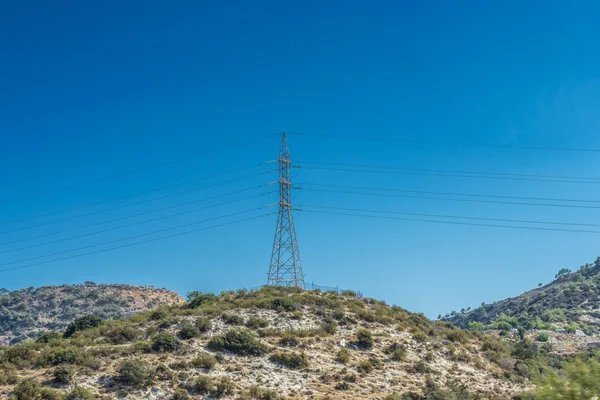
<point x="28" y="313"/>
<point x="273" y="343"/>
<point x="571" y="303"/>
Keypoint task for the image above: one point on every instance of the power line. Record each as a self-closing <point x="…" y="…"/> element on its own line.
<point x="521" y="221"/>
<point x="438" y="143"/>
<point x="444" y="199"/>
<point x="129" y="237"/>
<point x="451" y="193"/>
<point x="453" y="222"/>
<point x="450" y="174"/>
<point x="149" y="167"/>
<point x="450" y="171"/>
<point x="129" y="216"/>
<point x="136" y="243"/>
<point x="134" y="223"/>
<point x="137" y="194"/>
<point x="133" y="204"/>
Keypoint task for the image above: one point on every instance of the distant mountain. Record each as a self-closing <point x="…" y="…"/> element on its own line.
<point x="28" y="313"/>
<point x="570" y="302"/>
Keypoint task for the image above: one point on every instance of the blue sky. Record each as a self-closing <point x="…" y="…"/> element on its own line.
<point x="89" y="91"/>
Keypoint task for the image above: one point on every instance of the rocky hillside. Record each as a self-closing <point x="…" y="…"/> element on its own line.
<point x="28" y="313"/>
<point x="273" y="344"/>
<point x="570" y="303"/>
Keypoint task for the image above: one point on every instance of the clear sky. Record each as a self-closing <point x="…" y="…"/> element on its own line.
<point x="90" y="90"/>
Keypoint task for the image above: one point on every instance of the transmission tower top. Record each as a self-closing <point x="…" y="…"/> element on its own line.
<point x="286" y="268"/>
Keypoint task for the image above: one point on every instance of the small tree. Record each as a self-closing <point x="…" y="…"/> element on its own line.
<point x="364" y="339"/>
<point x="82" y="323"/>
<point x="136" y="373"/>
<point x="562" y="272"/>
<point x="165" y="342"/>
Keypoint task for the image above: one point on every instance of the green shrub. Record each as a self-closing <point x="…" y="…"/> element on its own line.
<point x="224" y="386"/>
<point x="122" y="334"/>
<point x="180" y="394"/>
<point x="49" y="337"/>
<point x="365" y="367"/>
<point x="283" y="304"/>
<point x="420" y="368"/>
<point x="63" y="374"/>
<point x="188" y="331"/>
<point x="396" y="351"/>
<point x="51" y="394"/>
<point x="329" y="326"/>
<point x="343" y="356"/>
<point x="200" y="299"/>
<point x="165" y="342"/>
<point x="136" y="373"/>
<point x="262" y="394"/>
<point x="27" y="389"/>
<point x="80" y="393"/>
<point x="290" y="360"/>
<point x="238" y="341"/>
<point x="19" y="355"/>
<point x="203" y="384"/>
<point x="364" y="339"/>
<point x="63" y="356"/>
<point x="543" y="337"/>
<point x="158" y="314"/>
<point x="82" y="323"/>
<point x="256" y="322"/>
<point x="232" y="319"/>
<point x="418" y="335"/>
<point x="204" y="360"/>
<point x="203" y="324"/>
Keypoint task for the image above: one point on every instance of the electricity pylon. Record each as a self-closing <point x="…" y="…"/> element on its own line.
<point x="286" y="268"/>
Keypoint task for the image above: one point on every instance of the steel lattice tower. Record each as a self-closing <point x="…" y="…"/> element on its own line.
<point x="286" y="268"/>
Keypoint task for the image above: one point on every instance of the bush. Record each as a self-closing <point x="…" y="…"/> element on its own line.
<point x="396" y="351"/>
<point x="419" y="336"/>
<point x="283" y="304"/>
<point x="188" y="331"/>
<point x="180" y="394"/>
<point x="63" y="356"/>
<point x="79" y="393"/>
<point x="342" y="386"/>
<point x="203" y="324"/>
<point x="136" y="373"/>
<point x="365" y="367"/>
<point x="82" y="323"/>
<point x="122" y="334"/>
<point x="329" y="326"/>
<point x="256" y="322"/>
<point x="199" y="299"/>
<point x="290" y="360"/>
<point x="420" y="368"/>
<point x="262" y="394"/>
<point x="50" y="394"/>
<point x="364" y="339"/>
<point x="203" y="384"/>
<point x="343" y="356"/>
<point x="543" y="337"/>
<point x="165" y="342"/>
<point x="19" y="355"/>
<point x="63" y="374"/>
<point x="49" y="337"/>
<point x="158" y="314"/>
<point x="27" y="389"/>
<point x="232" y="319"/>
<point x="204" y="360"/>
<point x="238" y="341"/>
